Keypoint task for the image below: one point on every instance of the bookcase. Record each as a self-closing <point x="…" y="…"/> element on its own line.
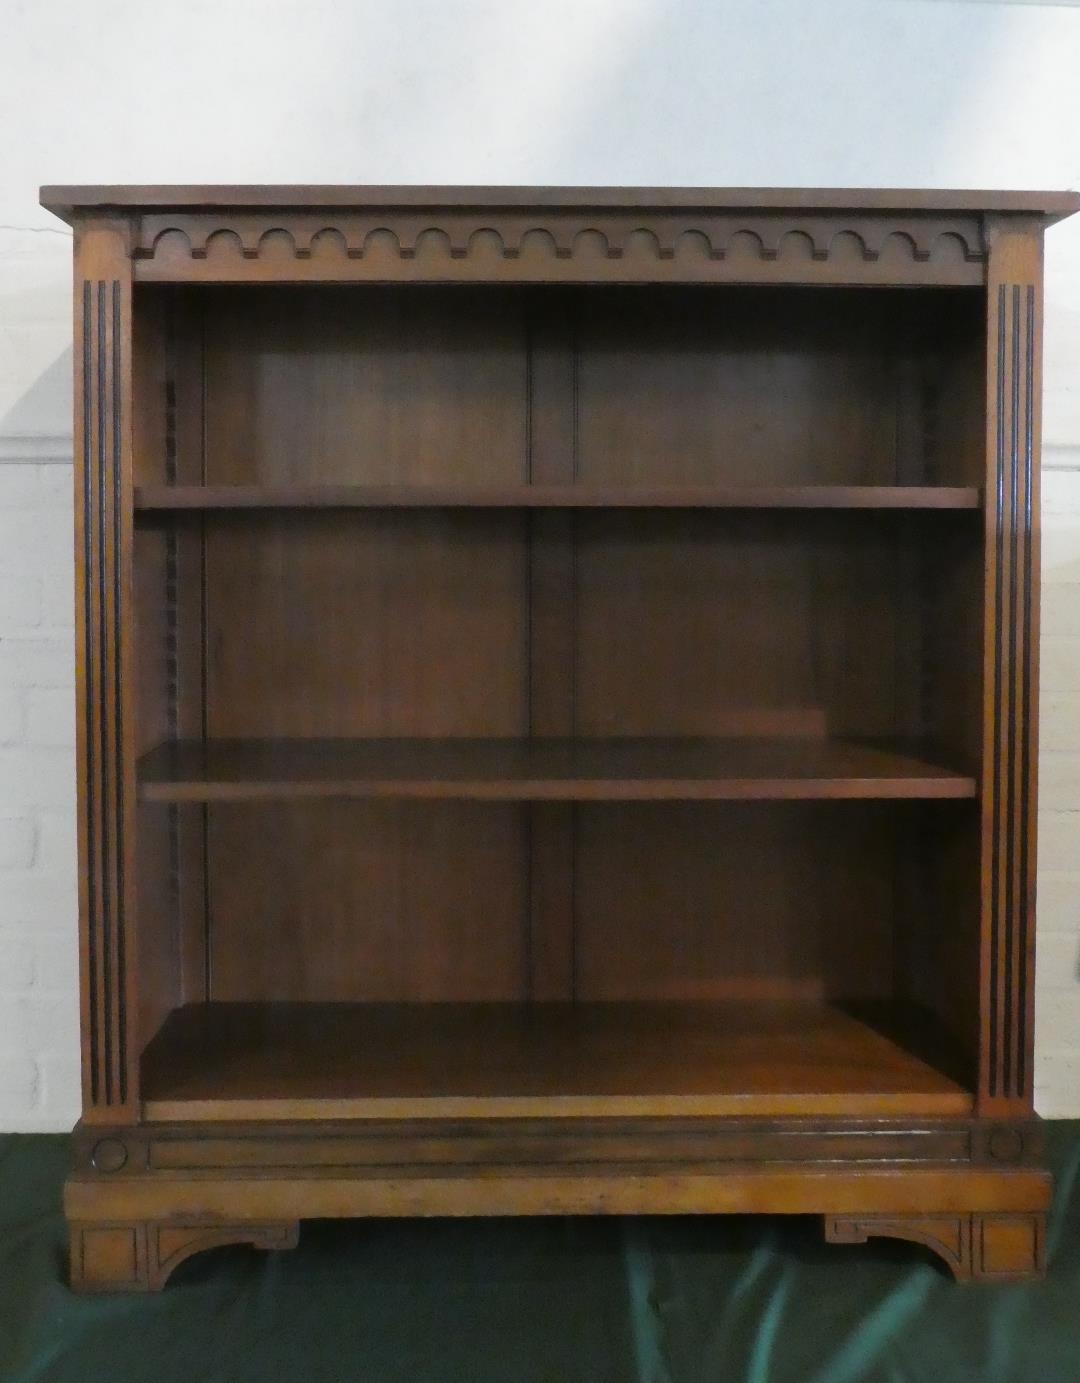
<point x="557" y="682"/>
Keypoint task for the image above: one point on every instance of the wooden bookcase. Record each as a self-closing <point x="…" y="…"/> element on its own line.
<point x="557" y="680"/>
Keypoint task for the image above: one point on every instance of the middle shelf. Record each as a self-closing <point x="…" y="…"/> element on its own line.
<point x="534" y="769"/>
<point x="153" y="499"/>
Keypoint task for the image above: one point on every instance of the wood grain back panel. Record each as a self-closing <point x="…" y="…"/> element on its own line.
<point x="682" y="619"/>
<point x="368" y="901"/>
<point x="755" y="387"/>
<point x="454" y="623"/>
<point x="375" y="386"/>
<point x="711" y="901"/>
<point x="367" y="624"/>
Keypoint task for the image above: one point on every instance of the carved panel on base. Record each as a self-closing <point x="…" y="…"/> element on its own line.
<point x="980" y="1248"/>
<point x="140" y="1256"/>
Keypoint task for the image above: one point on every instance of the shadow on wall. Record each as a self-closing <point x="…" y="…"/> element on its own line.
<point x="48" y="397"/>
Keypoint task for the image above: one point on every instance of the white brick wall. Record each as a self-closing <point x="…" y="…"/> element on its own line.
<point x="1057" y="974"/>
<point x="38" y="984"/>
<point x="906" y="95"/>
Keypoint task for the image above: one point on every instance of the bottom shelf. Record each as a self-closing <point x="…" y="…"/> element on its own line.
<point x="347" y="1061"/>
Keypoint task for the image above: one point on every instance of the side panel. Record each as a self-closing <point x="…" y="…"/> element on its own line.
<point x="104" y="663"/>
<point x="1014" y="328"/>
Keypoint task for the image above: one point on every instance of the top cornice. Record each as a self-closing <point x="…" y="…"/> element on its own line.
<point x="71" y="203"/>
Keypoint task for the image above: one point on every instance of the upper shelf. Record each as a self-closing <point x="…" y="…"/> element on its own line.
<point x="522" y="770"/>
<point x="160" y="498"/>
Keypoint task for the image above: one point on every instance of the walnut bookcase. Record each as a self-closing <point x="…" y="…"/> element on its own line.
<point x="557" y="679"/>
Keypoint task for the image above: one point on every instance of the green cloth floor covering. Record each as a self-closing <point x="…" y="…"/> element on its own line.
<point x="666" y="1300"/>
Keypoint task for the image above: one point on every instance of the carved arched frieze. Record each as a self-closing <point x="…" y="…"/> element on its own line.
<point x="546" y="245"/>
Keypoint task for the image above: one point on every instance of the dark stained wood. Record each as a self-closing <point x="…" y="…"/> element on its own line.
<point x="795" y="236"/>
<point x="554" y="735"/>
<point x="188" y="647"/>
<point x="759" y="901"/>
<point x="373" y="387"/>
<point x="748" y="768"/>
<point x="980" y="1248"/>
<point x="835" y="1189"/>
<point x="106" y="737"/>
<point x="131" y="1213"/>
<point x="376" y="623"/>
<point x="309" y="387"/>
<point x="154" y="632"/>
<point x="551" y="627"/>
<point x="680" y="387"/>
<point x="421" y="901"/>
<point x="228" y="1061"/>
<point x="166" y="498"/>
<point x="367" y="624"/>
<point x="141" y="1257"/>
<point x="69" y="199"/>
<point x="773" y="249"/>
<point x="682" y="618"/>
<point x="238" y="1146"/>
<point x="1011" y="667"/>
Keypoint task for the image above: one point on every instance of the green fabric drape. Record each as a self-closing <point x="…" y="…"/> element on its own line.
<point x="659" y="1300"/>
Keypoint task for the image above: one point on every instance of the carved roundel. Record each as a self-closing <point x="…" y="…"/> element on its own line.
<point x="109" y="1155"/>
<point x="1005" y="1144"/>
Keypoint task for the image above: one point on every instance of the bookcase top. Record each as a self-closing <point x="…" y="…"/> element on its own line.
<point x="70" y="202"/>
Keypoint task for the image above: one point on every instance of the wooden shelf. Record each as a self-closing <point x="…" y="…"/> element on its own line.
<point x="168" y="498"/>
<point x="340" y="1061"/>
<point x="541" y="770"/>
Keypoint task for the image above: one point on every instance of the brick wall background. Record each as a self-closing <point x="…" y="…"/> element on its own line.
<point x="738" y="92"/>
<point x="38" y="1024"/>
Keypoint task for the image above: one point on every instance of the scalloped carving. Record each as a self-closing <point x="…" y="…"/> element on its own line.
<point x="903" y="242"/>
<point x="949" y="243"/>
<point x="227" y="233"/>
<point x="555" y="245"/>
<point x="483" y="242"/>
<point x="276" y="242"/>
<point x="849" y="243"/>
<point x="692" y="244"/>
<point x="800" y="244"/>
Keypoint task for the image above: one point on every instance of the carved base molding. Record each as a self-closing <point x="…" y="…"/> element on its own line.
<point x="140" y="1255"/>
<point x="131" y="1225"/>
<point x="976" y="1248"/>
